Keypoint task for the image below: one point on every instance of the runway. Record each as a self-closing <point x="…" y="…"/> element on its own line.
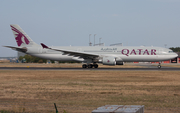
<point x="97" y="69"/>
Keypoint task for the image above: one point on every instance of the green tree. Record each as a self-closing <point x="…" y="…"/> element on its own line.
<point x="32" y="59"/>
<point x="20" y="58"/>
<point x="175" y="49"/>
<point x="40" y="61"/>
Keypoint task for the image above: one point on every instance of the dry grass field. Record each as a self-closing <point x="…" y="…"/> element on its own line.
<point x="84" y="91"/>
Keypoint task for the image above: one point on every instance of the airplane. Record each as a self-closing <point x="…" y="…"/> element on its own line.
<point x="90" y="56"/>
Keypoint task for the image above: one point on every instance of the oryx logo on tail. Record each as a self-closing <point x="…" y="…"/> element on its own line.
<point x="20" y="37"/>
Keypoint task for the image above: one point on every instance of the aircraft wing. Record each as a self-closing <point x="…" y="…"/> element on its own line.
<point x="17" y="48"/>
<point x="73" y="53"/>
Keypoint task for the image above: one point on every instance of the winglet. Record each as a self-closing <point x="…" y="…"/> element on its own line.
<point x="44" y="46"/>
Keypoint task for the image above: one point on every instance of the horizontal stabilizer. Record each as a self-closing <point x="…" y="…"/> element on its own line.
<point x="23" y="49"/>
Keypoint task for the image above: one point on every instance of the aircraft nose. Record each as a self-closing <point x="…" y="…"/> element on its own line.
<point x="176" y="55"/>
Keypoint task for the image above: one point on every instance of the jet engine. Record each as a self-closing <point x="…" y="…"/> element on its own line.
<point x="108" y="60"/>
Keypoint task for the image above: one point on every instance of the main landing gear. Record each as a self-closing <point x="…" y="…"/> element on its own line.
<point x="90" y="65"/>
<point x="159" y="66"/>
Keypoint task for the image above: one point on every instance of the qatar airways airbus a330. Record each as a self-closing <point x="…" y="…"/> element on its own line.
<point x="90" y="56"/>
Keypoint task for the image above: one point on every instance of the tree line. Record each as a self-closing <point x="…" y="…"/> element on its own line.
<point x="32" y="59"/>
<point x="175" y="49"/>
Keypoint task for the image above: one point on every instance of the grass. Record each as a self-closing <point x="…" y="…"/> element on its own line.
<point x="4" y="111"/>
<point x="84" y="91"/>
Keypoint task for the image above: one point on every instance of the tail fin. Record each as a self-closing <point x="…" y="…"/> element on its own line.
<point x="21" y="37"/>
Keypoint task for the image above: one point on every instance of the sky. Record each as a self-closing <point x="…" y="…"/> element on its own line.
<point x="69" y="22"/>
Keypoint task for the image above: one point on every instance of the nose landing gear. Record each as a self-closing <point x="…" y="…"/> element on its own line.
<point x="159" y="66"/>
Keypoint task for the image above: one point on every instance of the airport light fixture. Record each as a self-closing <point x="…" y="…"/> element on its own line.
<point x="94" y="39"/>
<point x="90" y="44"/>
<point x="100" y="41"/>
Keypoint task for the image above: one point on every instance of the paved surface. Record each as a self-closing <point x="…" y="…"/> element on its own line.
<point x="99" y="69"/>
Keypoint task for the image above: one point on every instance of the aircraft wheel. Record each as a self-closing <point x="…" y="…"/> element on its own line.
<point x="90" y="66"/>
<point x="95" y="66"/>
<point x="84" y="66"/>
<point x="159" y="66"/>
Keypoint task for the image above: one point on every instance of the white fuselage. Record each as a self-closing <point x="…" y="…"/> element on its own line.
<point x="121" y="53"/>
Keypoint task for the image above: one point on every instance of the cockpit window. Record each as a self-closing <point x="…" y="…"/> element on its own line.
<point x="170" y="51"/>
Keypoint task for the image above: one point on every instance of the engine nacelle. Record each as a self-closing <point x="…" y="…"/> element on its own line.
<point x="108" y="60"/>
<point x="119" y="63"/>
